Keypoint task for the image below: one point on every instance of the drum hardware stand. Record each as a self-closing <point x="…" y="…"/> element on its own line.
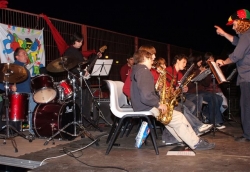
<point x="75" y="123"/>
<point x="101" y="68"/>
<point x="8" y="126"/>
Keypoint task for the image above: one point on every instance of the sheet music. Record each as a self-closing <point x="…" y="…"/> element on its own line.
<point x="217" y="72"/>
<point x="102" y="67"/>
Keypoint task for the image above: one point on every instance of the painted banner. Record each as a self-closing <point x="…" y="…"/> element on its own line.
<point x="12" y="37"/>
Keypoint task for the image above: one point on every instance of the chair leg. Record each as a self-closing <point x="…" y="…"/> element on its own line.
<point x="125" y="127"/>
<point x="116" y="120"/>
<point x="154" y="124"/>
<point x="152" y="135"/>
<point x="114" y="136"/>
<point x="130" y="127"/>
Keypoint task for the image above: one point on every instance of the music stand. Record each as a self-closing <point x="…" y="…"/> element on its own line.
<point x="195" y="80"/>
<point x="101" y="68"/>
<point x="220" y="78"/>
<point x="229" y="79"/>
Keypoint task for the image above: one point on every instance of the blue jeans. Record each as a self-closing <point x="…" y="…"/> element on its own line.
<point x="197" y="99"/>
<point x="214" y="103"/>
<point x="245" y="108"/>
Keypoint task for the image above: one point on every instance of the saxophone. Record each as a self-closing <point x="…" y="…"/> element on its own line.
<point x="166" y="97"/>
<point x="169" y="97"/>
<point x="177" y="92"/>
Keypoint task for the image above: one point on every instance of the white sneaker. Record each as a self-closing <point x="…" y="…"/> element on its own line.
<point x="205" y="127"/>
<point x="219" y="126"/>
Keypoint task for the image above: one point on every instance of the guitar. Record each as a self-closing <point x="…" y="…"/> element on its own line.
<point x="87" y="67"/>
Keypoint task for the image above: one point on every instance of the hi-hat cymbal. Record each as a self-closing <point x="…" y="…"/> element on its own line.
<point x="12" y="73"/>
<point x="62" y="64"/>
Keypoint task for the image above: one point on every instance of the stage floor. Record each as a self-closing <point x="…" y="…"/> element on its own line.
<point x="82" y="154"/>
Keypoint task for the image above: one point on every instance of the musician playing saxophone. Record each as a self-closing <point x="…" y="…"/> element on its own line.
<point x="179" y="64"/>
<point x="144" y="98"/>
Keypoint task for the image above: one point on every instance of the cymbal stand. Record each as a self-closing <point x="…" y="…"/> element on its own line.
<point x="74" y="122"/>
<point x="8" y="126"/>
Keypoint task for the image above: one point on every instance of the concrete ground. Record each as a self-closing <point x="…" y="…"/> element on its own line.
<point x="83" y="154"/>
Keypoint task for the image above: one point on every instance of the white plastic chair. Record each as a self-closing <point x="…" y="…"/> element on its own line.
<point x="117" y="102"/>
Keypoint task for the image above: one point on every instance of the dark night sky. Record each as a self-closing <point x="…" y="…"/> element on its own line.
<point x="183" y="23"/>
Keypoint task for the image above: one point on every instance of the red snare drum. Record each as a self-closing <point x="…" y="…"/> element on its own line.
<point x="43" y="88"/>
<point x="19" y="106"/>
<point x="52" y="117"/>
<point x="67" y="89"/>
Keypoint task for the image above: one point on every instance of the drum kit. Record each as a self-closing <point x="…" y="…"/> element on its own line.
<point x="56" y="114"/>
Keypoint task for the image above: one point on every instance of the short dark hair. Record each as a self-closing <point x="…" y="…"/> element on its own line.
<point x="16" y="52"/>
<point x="77" y="36"/>
<point x="179" y="57"/>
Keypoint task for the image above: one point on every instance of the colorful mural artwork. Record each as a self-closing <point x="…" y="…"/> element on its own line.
<point x="12" y="37"/>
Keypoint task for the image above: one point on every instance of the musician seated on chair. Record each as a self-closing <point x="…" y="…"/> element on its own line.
<point x="214" y="101"/>
<point x="160" y="64"/>
<point x="21" y="59"/>
<point x="144" y="98"/>
<point x="76" y="41"/>
<point x="175" y="72"/>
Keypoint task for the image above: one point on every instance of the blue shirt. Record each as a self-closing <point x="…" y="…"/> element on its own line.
<point x="241" y="56"/>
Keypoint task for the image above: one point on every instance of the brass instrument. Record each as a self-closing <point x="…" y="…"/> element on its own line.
<point x="177" y="92"/>
<point x="169" y="97"/>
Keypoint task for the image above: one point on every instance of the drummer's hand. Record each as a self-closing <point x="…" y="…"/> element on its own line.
<point x="13" y="87"/>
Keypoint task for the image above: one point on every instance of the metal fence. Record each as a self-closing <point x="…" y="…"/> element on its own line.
<point x="119" y="45"/>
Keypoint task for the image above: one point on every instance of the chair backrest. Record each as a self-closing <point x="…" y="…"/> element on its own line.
<point x="117" y="98"/>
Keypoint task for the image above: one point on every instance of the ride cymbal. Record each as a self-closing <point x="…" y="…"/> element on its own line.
<point x="62" y="64"/>
<point x="12" y="73"/>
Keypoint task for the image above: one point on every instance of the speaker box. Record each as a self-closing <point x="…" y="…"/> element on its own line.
<point x="105" y="110"/>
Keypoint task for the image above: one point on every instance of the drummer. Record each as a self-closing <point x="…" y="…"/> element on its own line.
<point x="21" y="58"/>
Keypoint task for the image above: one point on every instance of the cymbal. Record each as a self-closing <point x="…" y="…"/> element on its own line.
<point x="62" y="64"/>
<point x="12" y="73"/>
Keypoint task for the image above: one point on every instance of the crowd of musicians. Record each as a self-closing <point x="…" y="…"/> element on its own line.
<point x="201" y="103"/>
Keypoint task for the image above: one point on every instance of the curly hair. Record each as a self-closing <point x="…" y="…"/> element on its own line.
<point x="242" y="26"/>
